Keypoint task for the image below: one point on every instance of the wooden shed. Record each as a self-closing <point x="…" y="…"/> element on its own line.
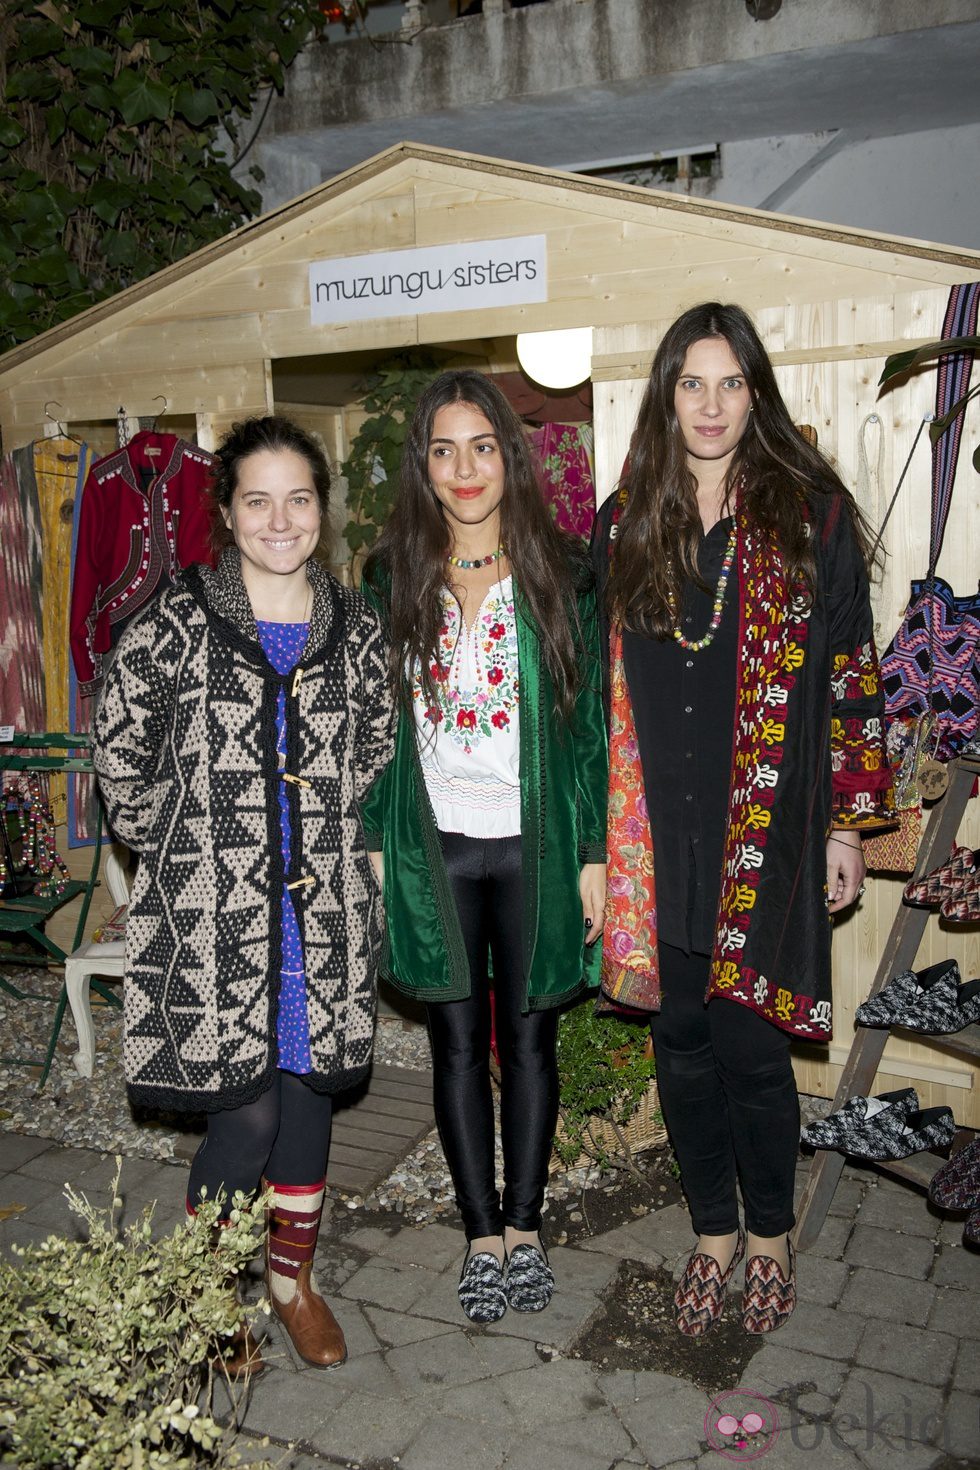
<point x="232" y="330"/>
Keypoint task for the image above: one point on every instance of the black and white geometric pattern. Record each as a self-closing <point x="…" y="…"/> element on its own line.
<point x="185" y="752"/>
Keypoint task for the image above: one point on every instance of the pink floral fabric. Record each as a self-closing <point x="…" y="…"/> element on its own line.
<point x="630" y="973"/>
<point x="568" y="481"/>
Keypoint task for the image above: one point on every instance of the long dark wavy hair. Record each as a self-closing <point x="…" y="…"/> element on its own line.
<point x="408" y="564"/>
<point x="656" y="545"/>
<point x="274" y="432"/>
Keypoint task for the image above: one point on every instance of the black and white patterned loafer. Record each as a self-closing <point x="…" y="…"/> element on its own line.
<point x="530" y="1281"/>
<point x="844" y="1127"/>
<point x="931" y="1001"/>
<point x="481" y="1288"/>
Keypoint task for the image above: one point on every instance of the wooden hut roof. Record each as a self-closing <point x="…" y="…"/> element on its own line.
<point x="616" y="253"/>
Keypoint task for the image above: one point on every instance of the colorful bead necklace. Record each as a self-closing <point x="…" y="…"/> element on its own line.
<point x="726" y="567"/>
<point x="483" y="561"/>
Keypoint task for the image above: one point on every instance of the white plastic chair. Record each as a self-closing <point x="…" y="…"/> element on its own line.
<point x="91" y="959"/>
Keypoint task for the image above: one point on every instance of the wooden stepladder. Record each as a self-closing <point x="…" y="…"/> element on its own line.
<point x="864" y="1058"/>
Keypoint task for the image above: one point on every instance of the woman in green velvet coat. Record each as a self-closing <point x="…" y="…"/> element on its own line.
<point x="488" y="828"/>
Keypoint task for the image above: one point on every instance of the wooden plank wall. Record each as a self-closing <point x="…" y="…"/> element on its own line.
<point x="837" y="393"/>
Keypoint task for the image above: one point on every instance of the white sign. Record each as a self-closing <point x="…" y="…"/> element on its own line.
<point x="487" y="273"/>
<point x="6" y="733"/>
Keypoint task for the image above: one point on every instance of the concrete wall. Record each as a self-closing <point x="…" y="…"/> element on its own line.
<point x="925" y="185"/>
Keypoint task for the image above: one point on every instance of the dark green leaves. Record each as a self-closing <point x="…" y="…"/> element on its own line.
<point x="110" y="165"/>
<point x="197" y="104"/>
<point x="140" y="98"/>
<point x="901" y="362"/>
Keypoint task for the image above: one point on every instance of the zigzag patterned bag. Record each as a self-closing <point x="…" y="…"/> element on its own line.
<point x="933" y="662"/>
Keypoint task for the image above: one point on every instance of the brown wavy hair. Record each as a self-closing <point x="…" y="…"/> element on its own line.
<point x="275" y="433"/>
<point x="408" y="565"/>
<point x="656" y="545"/>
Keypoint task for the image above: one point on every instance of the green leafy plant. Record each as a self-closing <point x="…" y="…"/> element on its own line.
<point x="605" y="1067"/>
<point x="900" y="363"/>
<point x="108" y="1344"/>
<point x="111" y="156"/>
<point x="388" y="395"/>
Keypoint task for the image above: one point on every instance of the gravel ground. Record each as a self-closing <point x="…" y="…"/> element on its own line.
<point x="95" y="1113"/>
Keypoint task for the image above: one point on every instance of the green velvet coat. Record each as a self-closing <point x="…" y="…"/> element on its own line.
<point x="563" y="775"/>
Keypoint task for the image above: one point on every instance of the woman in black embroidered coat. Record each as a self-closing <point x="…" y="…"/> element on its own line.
<point x="746" y="758"/>
<point x="245" y="716"/>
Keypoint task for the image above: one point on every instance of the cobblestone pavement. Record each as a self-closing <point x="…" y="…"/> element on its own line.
<point x="879" y="1367"/>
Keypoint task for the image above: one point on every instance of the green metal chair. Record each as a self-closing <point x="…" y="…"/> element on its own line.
<point x="25" y="916"/>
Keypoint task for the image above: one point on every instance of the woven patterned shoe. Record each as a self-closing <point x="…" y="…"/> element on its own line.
<point x="481" y="1288"/>
<point x="932" y="1001"/>
<point x="956" y="1186"/>
<point x="839" y="1129"/>
<point x="700" y="1294"/>
<point x="929" y="891"/>
<point x="529" y="1281"/>
<point x="770" y="1297"/>
<point x="962" y="904"/>
<point x="886" y="1136"/>
<point x="971" y="1230"/>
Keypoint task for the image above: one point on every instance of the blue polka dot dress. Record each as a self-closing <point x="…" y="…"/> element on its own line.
<point x="283" y="645"/>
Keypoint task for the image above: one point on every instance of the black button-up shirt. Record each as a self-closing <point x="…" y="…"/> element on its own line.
<point x="684" y="709"/>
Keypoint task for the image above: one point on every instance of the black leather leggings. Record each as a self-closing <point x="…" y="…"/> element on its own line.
<point x="284" y="1134"/>
<point x="485" y="877"/>
<point x="729" y="1100"/>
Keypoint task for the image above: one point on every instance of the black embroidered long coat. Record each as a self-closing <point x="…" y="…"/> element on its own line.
<point x="185" y="751"/>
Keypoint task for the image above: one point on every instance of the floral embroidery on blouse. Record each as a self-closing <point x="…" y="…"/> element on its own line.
<point x="469" y="716"/>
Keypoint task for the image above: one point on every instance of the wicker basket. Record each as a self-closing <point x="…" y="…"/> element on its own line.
<point x="644" y="1130"/>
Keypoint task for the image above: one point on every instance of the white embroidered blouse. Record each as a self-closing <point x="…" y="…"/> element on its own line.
<point x="469" y="741"/>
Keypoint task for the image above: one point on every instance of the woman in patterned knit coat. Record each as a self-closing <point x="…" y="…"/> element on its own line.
<point x="490" y="821"/>
<point x="746" y="759"/>
<point x="244" y="718"/>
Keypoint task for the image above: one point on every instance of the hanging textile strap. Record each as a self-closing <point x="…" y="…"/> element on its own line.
<point x="953" y="382"/>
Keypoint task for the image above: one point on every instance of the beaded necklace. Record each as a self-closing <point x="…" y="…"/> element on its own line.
<point x="696" y="645"/>
<point x="483" y="561"/>
<point x="39" y="857"/>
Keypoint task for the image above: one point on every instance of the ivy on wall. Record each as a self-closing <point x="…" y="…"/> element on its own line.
<point x="114" y="118"/>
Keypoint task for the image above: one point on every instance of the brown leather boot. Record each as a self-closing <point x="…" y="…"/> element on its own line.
<point x="313" y="1329"/>
<point x="293" y="1224"/>
<point x="240" y="1356"/>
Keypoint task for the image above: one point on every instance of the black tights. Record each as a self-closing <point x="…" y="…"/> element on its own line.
<point x="284" y="1134"/>
<point x="485" y="877"/>
<point x="729" y="1101"/>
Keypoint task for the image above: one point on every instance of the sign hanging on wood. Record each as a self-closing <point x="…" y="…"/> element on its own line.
<point x="470" y="277"/>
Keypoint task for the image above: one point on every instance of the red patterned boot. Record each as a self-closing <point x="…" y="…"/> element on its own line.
<point x="294" y="1221"/>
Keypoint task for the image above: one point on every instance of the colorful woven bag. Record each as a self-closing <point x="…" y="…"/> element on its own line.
<point x="933" y="662"/>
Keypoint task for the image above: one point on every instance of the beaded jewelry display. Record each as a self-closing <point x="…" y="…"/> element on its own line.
<point x="38" y="855"/>
<point x="483" y="561"/>
<point x="697" y="644"/>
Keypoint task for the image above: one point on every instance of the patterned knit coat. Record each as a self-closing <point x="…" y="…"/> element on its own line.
<point x="185" y="751"/>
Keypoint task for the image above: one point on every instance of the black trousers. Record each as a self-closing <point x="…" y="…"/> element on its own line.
<point x="284" y="1134"/>
<point x="729" y="1101"/>
<point x="485" y="877"/>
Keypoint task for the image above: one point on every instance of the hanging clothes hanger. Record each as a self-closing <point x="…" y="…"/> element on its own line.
<point x="59" y="424"/>
<point x="154" y="449"/>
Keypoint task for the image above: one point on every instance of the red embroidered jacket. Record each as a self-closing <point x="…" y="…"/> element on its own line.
<point x="133" y="536"/>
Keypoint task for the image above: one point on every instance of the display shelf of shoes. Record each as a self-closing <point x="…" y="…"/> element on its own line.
<point x="867" y="1049"/>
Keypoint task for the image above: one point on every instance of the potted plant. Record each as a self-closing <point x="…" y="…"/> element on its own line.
<point x="608" y="1097"/>
<point x="109" y="1345"/>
